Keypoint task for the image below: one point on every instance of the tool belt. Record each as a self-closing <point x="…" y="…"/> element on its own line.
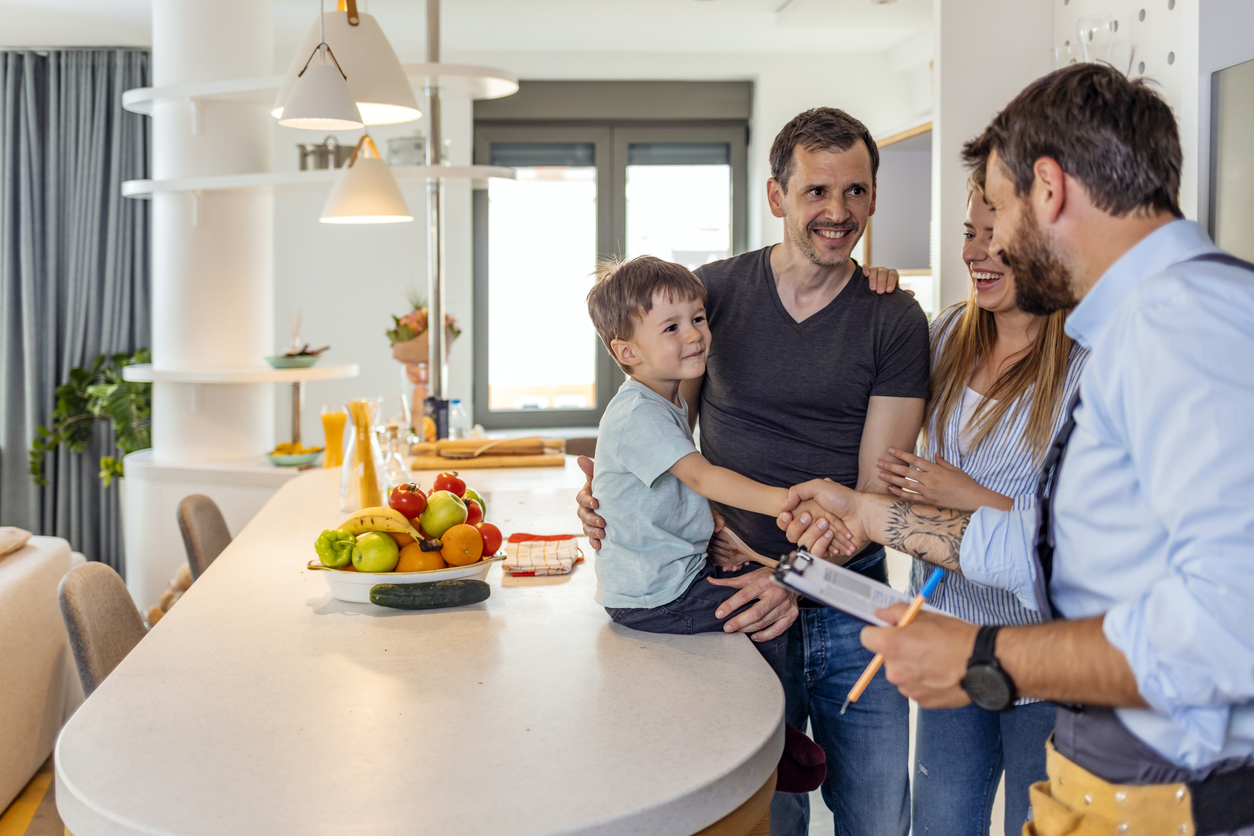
<point x="1076" y="802"/>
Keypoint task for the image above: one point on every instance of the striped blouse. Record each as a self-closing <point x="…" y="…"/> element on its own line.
<point x="1003" y="462"/>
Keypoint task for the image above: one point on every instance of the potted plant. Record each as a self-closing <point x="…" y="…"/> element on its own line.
<point x="98" y="393"/>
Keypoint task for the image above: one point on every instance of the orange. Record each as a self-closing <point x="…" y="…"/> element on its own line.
<point x="463" y="545"/>
<point x="401" y="539"/>
<point x="414" y="559"/>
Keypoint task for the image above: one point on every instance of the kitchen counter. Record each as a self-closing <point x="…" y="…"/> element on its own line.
<point x="262" y="705"/>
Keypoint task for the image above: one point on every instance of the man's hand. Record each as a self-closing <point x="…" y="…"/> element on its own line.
<point x="774" y="612"/>
<point x="804" y="515"/>
<point x="593" y="524"/>
<point x="937" y="483"/>
<point x="927" y="659"/>
<point x="883" y="279"/>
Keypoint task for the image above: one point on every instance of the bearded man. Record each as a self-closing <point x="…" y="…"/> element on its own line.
<point x="1143" y="548"/>
<point x="813" y="374"/>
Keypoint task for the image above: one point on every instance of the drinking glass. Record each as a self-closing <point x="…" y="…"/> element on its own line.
<point x="1097" y="37"/>
<point x="334" y="419"/>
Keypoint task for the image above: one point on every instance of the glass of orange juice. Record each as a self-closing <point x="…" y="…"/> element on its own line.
<point x="334" y="419"/>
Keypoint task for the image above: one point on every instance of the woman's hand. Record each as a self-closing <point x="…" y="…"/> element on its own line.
<point x="937" y="483"/>
<point x="883" y="279"/>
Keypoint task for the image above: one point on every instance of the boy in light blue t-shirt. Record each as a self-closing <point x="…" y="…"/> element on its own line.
<point x="652" y="485"/>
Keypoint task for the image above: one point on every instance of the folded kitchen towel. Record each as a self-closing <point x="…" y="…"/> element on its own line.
<point x="532" y="554"/>
<point x="12" y="539"/>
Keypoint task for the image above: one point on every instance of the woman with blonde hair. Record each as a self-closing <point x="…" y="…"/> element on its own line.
<point x="1001" y="380"/>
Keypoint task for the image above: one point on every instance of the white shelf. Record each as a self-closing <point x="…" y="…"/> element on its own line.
<point x="467" y="79"/>
<point x="145" y="373"/>
<point x="283" y="179"/>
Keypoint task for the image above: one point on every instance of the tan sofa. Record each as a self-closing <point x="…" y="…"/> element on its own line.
<point x="39" y="685"/>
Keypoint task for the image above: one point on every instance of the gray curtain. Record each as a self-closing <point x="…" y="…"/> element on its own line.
<point x="74" y="271"/>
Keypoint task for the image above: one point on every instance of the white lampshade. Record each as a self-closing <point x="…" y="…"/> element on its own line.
<point x="365" y="193"/>
<point x="379" y="84"/>
<point x="321" y="101"/>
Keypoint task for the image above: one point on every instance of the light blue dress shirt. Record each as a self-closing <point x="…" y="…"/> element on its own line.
<point x="1154" y="511"/>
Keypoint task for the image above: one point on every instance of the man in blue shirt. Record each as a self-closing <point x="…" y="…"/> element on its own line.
<point x="1147" y="559"/>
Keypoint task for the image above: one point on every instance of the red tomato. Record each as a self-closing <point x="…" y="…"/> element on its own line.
<point x="474" y="514"/>
<point x="491" y="538"/>
<point x="449" y="482"/>
<point x="408" y="499"/>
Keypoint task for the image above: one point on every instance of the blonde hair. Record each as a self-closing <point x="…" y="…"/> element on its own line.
<point x="624" y="292"/>
<point x="1043" y="369"/>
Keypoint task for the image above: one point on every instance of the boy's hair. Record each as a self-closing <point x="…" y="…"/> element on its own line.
<point x="624" y="291"/>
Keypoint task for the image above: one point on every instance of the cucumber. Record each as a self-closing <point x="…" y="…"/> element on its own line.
<point x="429" y="596"/>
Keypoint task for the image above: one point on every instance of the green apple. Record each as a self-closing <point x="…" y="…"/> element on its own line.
<point x="473" y="494"/>
<point x="376" y="552"/>
<point x="444" y="510"/>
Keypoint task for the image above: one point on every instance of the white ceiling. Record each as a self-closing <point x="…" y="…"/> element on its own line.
<point x="700" y="26"/>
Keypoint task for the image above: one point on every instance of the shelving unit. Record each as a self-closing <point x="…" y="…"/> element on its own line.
<point x="290" y="179"/>
<point x="466" y="79"/>
<point x="145" y="373"/>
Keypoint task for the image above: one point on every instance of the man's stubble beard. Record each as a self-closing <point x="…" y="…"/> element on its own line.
<point x="1042" y="279"/>
<point x="801" y="240"/>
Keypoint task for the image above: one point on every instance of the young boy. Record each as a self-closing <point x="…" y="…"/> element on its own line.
<point x="652" y="484"/>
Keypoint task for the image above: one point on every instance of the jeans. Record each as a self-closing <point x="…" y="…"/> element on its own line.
<point x="693" y="612"/>
<point x="868" y="749"/>
<point x="959" y="756"/>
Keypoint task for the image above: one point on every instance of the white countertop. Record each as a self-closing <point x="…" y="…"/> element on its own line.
<point x="262" y="705"/>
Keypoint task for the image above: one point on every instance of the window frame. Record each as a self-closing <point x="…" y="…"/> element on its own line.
<point x="611" y="140"/>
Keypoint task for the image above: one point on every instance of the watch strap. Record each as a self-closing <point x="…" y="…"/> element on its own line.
<point x="984" y="652"/>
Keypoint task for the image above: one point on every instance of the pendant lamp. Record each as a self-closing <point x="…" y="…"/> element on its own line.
<point x="375" y="75"/>
<point x="320" y="99"/>
<point x="366" y="192"/>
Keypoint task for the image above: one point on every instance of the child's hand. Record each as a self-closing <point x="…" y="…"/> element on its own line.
<point x="825" y="535"/>
<point x="727" y="550"/>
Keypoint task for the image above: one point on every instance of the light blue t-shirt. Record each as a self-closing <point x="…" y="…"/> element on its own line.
<point x="656" y="527"/>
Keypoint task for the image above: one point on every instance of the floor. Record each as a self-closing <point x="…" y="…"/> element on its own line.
<point x="34" y="811"/>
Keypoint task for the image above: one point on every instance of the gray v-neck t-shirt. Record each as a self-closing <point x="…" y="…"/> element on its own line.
<point x="785" y="401"/>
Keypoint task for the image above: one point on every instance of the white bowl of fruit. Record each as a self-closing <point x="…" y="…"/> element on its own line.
<point x="409" y="547"/>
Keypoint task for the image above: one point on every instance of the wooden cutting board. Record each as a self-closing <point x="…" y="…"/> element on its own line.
<point x="441" y="463"/>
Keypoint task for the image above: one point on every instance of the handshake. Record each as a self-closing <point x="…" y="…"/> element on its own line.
<point x="824" y="518"/>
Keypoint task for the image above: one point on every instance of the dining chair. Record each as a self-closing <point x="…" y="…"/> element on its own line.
<point x="101" y="619"/>
<point x="204" y="530"/>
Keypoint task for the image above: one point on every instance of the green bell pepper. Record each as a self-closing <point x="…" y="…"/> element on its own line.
<point x="335" y="548"/>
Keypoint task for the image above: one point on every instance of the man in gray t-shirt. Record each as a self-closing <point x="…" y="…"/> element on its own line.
<point x="811" y="375"/>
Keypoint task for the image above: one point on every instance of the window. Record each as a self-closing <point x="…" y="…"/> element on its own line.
<point x="673" y="190"/>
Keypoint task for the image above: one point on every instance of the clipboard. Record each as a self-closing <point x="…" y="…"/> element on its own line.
<point x="838" y="587"/>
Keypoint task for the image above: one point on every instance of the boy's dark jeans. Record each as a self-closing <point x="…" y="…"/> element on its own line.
<point x="693" y="612"/>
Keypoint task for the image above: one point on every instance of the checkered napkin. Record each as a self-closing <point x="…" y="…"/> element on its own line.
<point x="530" y="554"/>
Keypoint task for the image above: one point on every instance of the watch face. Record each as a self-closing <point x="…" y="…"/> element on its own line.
<point x="988" y="687"/>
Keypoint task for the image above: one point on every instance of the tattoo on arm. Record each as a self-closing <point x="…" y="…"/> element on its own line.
<point x="930" y="534"/>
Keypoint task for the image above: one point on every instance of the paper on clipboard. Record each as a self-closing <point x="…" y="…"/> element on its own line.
<point x="838" y="587"/>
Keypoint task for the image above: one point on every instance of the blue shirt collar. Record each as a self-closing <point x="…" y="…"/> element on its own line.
<point x="1169" y="244"/>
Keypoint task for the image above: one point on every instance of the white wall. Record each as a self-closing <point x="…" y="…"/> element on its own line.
<point x="985" y="54"/>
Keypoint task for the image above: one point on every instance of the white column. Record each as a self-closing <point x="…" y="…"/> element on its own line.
<point x="213" y="252"/>
<point x="986" y="52"/>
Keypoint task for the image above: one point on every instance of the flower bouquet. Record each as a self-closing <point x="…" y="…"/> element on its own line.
<point x="409" y="336"/>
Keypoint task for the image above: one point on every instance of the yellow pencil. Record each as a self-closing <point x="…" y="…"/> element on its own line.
<point x="917" y="604"/>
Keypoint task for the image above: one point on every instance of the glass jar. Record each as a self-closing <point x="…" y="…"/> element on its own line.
<point x="361" y="477"/>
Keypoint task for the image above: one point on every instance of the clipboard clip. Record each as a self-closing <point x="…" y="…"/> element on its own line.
<point x="791" y="565"/>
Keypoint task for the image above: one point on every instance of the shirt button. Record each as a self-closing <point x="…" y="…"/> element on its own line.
<point x="1180" y="794"/>
<point x="1121" y="796"/>
<point x="1122" y="828"/>
<point x="1184" y="828"/>
<point x="1088" y="799"/>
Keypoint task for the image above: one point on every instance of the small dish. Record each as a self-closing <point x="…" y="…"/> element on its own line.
<point x="354" y="587"/>
<point x="279" y="460"/>
<point x="300" y="361"/>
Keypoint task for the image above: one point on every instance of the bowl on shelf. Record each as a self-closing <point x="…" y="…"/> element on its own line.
<point x="354" y="587"/>
<point x="300" y="361"/>
<point x="293" y="460"/>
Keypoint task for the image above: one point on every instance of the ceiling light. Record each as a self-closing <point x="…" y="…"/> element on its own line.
<point x="365" y="192"/>
<point x="321" y="100"/>
<point x="375" y="76"/>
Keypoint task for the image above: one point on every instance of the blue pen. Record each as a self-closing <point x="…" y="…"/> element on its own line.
<point x="933" y="581"/>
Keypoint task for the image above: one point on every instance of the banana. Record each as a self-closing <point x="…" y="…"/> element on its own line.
<point x="379" y="518"/>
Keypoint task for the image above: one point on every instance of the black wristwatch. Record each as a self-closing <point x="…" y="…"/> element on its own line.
<point x="988" y="685"/>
